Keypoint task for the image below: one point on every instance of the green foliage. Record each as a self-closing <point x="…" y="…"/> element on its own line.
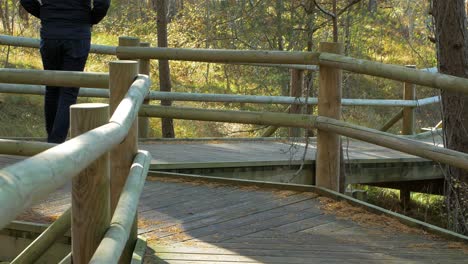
<point x="398" y="32"/>
<point x="425" y="207"/>
<point x="21" y="116"/>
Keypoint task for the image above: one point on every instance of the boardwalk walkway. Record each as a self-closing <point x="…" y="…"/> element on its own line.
<point x="203" y="222"/>
<point x="366" y="163"/>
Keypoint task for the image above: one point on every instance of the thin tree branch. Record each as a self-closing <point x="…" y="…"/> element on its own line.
<point x="323" y="10"/>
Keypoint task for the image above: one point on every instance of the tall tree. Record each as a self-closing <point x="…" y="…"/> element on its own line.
<point x="164" y="70"/>
<point x="452" y="53"/>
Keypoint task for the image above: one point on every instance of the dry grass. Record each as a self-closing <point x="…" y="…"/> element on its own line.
<point x="34" y="215"/>
<point x="344" y="210"/>
<point x="173" y="234"/>
<point x="206" y="182"/>
<point x="194" y="182"/>
<point x="422" y="245"/>
<point x="284" y="193"/>
<point x="146" y="223"/>
<point x="458" y="245"/>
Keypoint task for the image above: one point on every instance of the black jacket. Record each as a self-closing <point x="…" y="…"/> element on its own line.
<point x="67" y="19"/>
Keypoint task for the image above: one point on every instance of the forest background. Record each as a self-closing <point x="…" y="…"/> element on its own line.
<point x="389" y="31"/>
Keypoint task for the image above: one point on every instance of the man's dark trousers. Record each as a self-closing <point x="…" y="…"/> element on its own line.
<point x="61" y="55"/>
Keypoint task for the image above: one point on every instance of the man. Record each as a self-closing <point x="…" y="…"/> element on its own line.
<point x="65" y="43"/>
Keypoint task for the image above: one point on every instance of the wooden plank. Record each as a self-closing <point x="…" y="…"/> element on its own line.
<point x="258" y="225"/>
<point x="324" y="244"/>
<point x="230" y="220"/>
<point x="325" y="256"/>
<point x="330" y="227"/>
<point x="228" y="196"/>
<point x="231" y="213"/>
<point x="230" y="199"/>
<point x="304" y="224"/>
<point x="344" y="252"/>
<point x="175" y="198"/>
<point x="230" y="203"/>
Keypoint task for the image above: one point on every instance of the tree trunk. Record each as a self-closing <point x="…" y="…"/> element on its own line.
<point x="24" y="15"/>
<point x="335" y="23"/>
<point x="452" y="54"/>
<point x="4" y="15"/>
<point x="372" y="7"/>
<point x="164" y="71"/>
<point x="310" y="75"/>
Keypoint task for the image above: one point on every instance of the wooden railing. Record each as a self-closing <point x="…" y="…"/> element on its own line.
<point x="84" y="158"/>
<point x="32" y="179"/>
<point x="131" y="48"/>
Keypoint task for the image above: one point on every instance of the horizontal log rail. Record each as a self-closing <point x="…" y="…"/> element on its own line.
<point x="43" y="242"/>
<point x="40" y="90"/>
<point x="428" y="101"/>
<point x="282" y="59"/>
<point x="255" y="99"/>
<point x="226" y="98"/>
<point x="26" y="182"/>
<point x="113" y="243"/>
<point x="220" y="55"/>
<point x="35" y="43"/>
<point x="393" y="72"/>
<point x="405" y="145"/>
<point x="55" y="78"/>
<point x="23" y="147"/>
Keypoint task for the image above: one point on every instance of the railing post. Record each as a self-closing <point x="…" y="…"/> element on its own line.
<point x="329" y="105"/>
<point x="297" y="84"/>
<point x="128" y="42"/>
<point x="143" y="122"/>
<point x="90" y="189"/>
<point x="409" y="93"/>
<point x="121" y="76"/>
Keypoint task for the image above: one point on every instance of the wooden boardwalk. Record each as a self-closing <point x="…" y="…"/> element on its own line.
<point x="366" y="163"/>
<point x="167" y="154"/>
<point x="203" y="222"/>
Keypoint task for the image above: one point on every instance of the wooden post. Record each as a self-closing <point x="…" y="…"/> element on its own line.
<point x="143" y="122"/>
<point x="90" y="189"/>
<point x="329" y="105"/>
<point x="297" y="85"/>
<point x="405" y="197"/>
<point x="409" y="93"/>
<point x="127" y="42"/>
<point x="121" y="76"/>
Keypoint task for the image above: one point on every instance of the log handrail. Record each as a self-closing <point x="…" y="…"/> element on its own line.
<point x="389" y="71"/>
<point x="226" y="98"/>
<point x="403" y="144"/>
<point x="55" y="78"/>
<point x="112" y="245"/>
<point x="31" y="179"/>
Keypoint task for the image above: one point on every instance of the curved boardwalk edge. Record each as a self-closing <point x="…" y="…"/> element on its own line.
<point x="327" y="193"/>
<point x="189" y="219"/>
